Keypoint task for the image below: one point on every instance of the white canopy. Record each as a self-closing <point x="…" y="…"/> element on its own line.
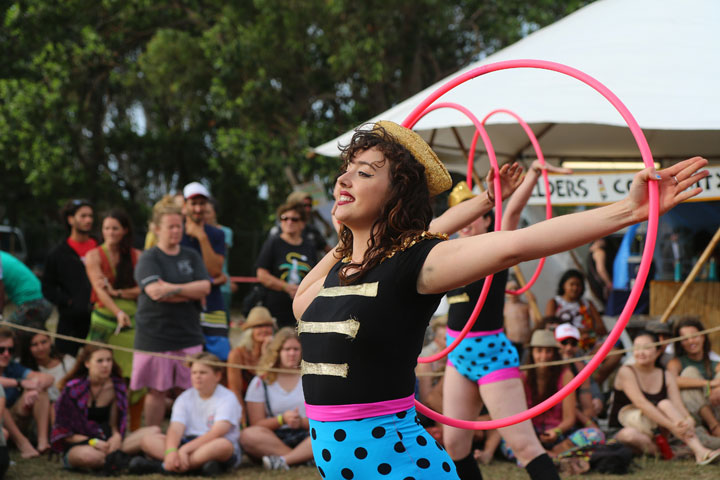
<point x="660" y="57"/>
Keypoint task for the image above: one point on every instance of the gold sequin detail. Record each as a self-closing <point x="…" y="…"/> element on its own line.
<point x="330" y="369"/>
<point x="462" y="298"/>
<point x="348" y="327"/>
<point x="363" y="290"/>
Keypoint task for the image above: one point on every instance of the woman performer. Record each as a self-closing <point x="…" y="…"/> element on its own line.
<point x="364" y="308"/>
<point x="484" y="366"/>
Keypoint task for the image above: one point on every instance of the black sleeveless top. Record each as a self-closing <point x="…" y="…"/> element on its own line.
<point x="360" y="342"/>
<point x="620" y="399"/>
<point x="462" y="302"/>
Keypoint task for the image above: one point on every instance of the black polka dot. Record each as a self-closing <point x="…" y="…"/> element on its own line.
<point x="401" y="414"/>
<point x="446" y="466"/>
<point x="485" y="367"/>
<point x="326" y="454"/>
<point x="378" y="432"/>
<point x="384" y="469"/>
<point x="494" y="359"/>
<point x="482" y="354"/>
<point x="461" y="357"/>
<point x="503" y="343"/>
<point x="478" y="340"/>
<point x="422" y="441"/>
<point x="423" y="463"/>
<point x="473" y="363"/>
<point x="506" y="362"/>
<point x="313" y="433"/>
<point x="322" y="474"/>
<point x="409" y="478"/>
<point x="491" y="345"/>
<point x="399" y="447"/>
<point x="340" y="435"/>
<point x="347" y="473"/>
<point x="360" y="453"/>
<point x="468" y="349"/>
<point x="399" y="435"/>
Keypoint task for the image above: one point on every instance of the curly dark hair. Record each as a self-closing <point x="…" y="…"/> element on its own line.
<point x="407" y="212"/>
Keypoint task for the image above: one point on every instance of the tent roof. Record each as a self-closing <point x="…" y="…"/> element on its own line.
<point x="660" y="57"/>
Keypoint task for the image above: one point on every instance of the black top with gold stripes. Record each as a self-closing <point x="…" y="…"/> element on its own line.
<point x="361" y="341"/>
<point x="462" y="302"/>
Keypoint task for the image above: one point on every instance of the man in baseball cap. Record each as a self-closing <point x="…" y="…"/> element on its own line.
<point x="209" y="242"/>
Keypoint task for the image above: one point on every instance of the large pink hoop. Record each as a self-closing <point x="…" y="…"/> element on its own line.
<point x="548" y="203"/>
<point x="479" y="128"/>
<point x="646" y="255"/>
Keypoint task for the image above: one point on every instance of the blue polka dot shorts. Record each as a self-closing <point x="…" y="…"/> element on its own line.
<point x="484" y="359"/>
<point x="388" y="446"/>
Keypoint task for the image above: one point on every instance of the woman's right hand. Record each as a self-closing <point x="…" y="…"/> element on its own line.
<point x="101" y="445"/>
<point x="292" y="418"/>
<point x="123" y="319"/>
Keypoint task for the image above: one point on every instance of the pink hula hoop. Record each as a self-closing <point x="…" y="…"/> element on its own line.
<point x="548" y="203"/>
<point x="498" y="222"/>
<point x="646" y="255"/>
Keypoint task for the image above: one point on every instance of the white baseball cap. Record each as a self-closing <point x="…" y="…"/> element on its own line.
<point x="565" y="331"/>
<point x="194" y="189"/>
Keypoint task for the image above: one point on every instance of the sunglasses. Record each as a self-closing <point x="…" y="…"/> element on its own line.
<point x="4" y="350"/>
<point x="285" y="218"/>
<point x="570" y="341"/>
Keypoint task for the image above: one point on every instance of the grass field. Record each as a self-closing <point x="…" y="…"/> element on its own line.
<point x="646" y="469"/>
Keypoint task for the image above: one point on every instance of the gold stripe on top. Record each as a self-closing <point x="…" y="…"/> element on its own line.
<point x="463" y="297"/>
<point x="348" y="327"/>
<point x="332" y="369"/>
<point x="364" y="290"/>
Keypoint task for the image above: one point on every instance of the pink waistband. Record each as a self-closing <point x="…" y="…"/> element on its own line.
<point x="455" y="333"/>
<point x="353" y="411"/>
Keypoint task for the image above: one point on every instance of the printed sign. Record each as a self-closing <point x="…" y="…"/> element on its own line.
<point x="604" y="188"/>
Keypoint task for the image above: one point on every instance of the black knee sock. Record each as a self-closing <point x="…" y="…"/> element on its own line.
<point x="542" y="468"/>
<point x="467" y="468"/>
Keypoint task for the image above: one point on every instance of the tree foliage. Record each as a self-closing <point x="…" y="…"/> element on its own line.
<point x="123" y="101"/>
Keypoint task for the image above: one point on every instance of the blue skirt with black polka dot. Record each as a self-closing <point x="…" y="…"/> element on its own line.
<point x="389" y="446"/>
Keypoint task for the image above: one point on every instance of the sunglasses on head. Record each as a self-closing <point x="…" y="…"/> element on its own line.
<point x="285" y="218"/>
<point x="9" y="350"/>
<point x="569" y="341"/>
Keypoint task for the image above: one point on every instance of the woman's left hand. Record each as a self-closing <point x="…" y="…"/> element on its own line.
<point x="673" y="186"/>
<point x="114" y="442"/>
<point x="548" y="436"/>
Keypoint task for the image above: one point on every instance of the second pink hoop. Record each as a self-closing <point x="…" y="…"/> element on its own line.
<point x="646" y="255"/>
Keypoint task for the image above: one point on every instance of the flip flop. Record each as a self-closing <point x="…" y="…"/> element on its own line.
<point x="710" y="457"/>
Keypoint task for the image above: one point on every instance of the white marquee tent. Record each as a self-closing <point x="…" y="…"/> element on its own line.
<point x="660" y="57"/>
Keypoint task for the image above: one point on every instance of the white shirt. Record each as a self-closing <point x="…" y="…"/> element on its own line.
<point x="280" y="400"/>
<point x="58" y="372"/>
<point x="200" y="414"/>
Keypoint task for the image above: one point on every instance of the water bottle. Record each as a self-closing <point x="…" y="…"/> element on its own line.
<point x="663" y="446"/>
<point x="293" y="277"/>
<point x="678" y="271"/>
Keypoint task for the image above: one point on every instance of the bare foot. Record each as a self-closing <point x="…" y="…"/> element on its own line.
<point x="27" y="450"/>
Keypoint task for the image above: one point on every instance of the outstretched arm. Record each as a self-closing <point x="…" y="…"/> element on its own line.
<point x="455" y="218"/>
<point x="454" y="263"/>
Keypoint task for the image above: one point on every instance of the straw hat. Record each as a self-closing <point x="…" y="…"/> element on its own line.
<point x="437" y="176"/>
<point x="459" y="194"/>
<point x="543" y="338"/>
<point x="258" y="316"/>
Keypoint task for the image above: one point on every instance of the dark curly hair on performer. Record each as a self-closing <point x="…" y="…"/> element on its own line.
<point x="406" y="214"/>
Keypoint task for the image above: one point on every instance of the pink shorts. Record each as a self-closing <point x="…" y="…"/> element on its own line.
<point x="159" y="373"/>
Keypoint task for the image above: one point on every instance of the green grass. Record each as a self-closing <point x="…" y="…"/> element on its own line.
<point x="647" y="469"/>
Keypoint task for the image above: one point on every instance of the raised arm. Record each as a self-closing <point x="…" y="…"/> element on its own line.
<point x="517" y="202"/>
<point x="458" y="262"/>
<point x="455" y="218"/>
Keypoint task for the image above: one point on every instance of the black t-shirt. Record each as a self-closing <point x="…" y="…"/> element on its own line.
<point x="362" y="340"/>
<point x="281" y="259"/>
<point x="462" y="302"/>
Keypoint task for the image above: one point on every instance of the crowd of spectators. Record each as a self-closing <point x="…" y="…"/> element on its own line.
<point x="103" y="408"/>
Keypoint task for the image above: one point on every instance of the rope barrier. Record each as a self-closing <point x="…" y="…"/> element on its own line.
<point x="618" y="351"/>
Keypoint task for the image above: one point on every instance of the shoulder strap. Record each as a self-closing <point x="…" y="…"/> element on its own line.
<point x="267" y="399"/>
<point x="105" y="262"/>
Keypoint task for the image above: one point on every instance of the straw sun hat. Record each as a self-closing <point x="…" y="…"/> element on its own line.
<point x="459" y="194"/>
<point x="258" y="316"/>
<point x="543" y="338"/>
<point x="437" y="176"/>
